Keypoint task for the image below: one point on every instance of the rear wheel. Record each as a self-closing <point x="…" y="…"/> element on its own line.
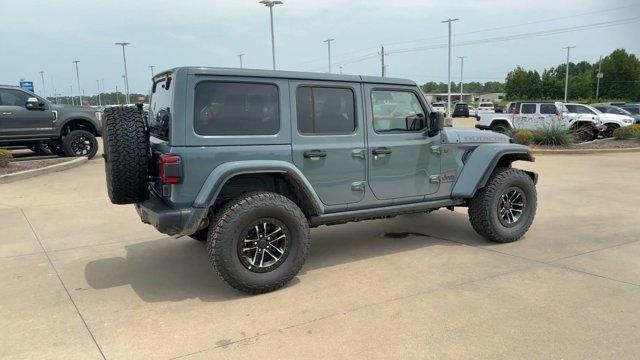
<point x="500" y="128"/>
<point x="258" y="242"/>
<point x="127" y="154"/>
<point x="80" y="143"/>
<point x="608" y="132"/>
<point x="504" y="209"/>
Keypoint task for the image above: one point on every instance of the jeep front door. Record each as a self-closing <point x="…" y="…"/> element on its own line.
<point x="403" y="160"/>
<point x="17" y="122"/>
<point x="328" y="140"/>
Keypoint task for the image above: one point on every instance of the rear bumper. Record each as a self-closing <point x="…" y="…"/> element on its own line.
<point x="168" y="220"/>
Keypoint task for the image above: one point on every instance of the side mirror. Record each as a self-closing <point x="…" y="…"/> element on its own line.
<point x="436" y="123"/>
<point x="34" y="104"/>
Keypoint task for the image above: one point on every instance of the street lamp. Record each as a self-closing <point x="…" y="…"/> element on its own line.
<point x="270" y="4"/>
<point x="126" y="75"/>
<point x="78" y="78"/>
<point x="461" y="73"/>
<point x="44" y="92"/>
<point x="151" y="67"/>
<point x="328" y="41"/>
<point x="240" y="57"/>
<point x="566" y="76"/>
<point x="449" y="21"/>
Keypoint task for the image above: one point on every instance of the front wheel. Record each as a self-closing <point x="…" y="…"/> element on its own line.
<point x="504" y="209"/>
<point x="500" y="128"/>
<point x="80" y="143"/>
<point x="258" y="242"/>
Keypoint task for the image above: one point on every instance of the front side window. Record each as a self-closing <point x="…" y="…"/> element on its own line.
<point x="547" y="109"/>
<point x="579" y="109"/>
<point x="397" y="111"/>
<point x="325" y="110"/>
<point x="10" y="97"/>
<point x="226" y="108"/>
<point x="528" y="109"/>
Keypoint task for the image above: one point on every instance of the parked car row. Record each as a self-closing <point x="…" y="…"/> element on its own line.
<point x="601" y="119"/>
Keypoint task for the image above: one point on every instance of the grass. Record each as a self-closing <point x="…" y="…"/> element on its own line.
<point x="548" y="136"/>
<point x="627" y="132"/>
<point x="5" y="157"/>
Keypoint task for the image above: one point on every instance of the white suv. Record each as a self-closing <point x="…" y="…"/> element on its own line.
<point x="536" y="115"/>
<point x="486" y="107"/>
<point x="611" y="121"/>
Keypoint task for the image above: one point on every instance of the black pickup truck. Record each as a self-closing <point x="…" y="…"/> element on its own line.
<point x="27" y="119"/>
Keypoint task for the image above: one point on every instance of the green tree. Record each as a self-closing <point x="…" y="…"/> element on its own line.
<point x="523" y="84"/>
<point x="621" y="76"/>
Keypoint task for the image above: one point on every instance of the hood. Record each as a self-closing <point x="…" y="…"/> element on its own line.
<point x="75" y="109"/>
<point x="613" y="117"/>
<point x="462" y="135"/>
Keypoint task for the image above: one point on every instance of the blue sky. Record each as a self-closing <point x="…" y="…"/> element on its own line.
<point x="49" y="35"/>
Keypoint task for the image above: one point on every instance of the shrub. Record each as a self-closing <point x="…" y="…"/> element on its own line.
<point x="553" y="136"/>
<point x="521" y="136"/>
<point x="627" y="132"/>
<point x="5" y="157"/>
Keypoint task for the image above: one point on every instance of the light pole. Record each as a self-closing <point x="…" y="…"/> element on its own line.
<point x="71" y="95"/>
<point x="270" y="4"/>
<point x="126" y="75"/>
<point x="124" y="79"/>
<point x="328" y="41"/>
<point x="566" y="77"/>
<point x="151" y="67"/>
<point x="117" y="96"/>
<point x="240" y="58"/>
<point x="461" y="73"/>
<point x="99" y="93"/>
<point x="78" y="78"/>
<point x="449" y="21"/>
<point x="44" y="92"/>
<point x="600" y="75"/>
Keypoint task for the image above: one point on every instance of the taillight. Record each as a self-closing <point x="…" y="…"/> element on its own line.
<point x="169" y="169"/>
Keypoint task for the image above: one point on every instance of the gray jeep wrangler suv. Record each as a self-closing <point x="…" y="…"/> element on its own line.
<point x="247" y="160"/>
<point x="27" y="119"/>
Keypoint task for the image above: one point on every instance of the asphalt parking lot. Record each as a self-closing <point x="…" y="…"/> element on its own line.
<point x="82" y="278"/>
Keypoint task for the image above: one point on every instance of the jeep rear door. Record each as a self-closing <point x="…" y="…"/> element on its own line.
<point x="328" y="138"/>
<point x="403" y="161"/>
<point x="16" y="122"/>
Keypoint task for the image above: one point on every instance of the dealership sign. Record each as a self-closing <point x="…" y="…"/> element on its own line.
<point x="27" y="85"/>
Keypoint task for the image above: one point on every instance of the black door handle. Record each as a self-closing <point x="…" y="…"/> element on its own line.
<point x="381" y="151"/>
<point x="315" y="154"/>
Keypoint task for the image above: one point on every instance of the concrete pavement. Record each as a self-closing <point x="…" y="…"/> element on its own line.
<point x="82" y="278"/>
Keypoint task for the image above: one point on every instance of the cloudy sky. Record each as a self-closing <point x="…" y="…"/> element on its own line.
<point x="495" y="35"/>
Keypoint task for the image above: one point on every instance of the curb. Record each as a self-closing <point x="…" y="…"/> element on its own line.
<point x="584" y="151"/>
<point x="4" y="179"/>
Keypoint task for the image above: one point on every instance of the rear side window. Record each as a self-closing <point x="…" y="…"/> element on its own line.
<point x="528" y="109"/>
<point x="547" y="109"/>
<point x="159" y="116"/>
<point x="227" y="108"/>
<point x="325" y="110"/>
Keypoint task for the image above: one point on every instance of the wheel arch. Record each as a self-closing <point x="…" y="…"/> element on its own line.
<point x="79" y="123"/>
<point x="498" y="121"/>
<point x="229" y="180"/>
<point x="483" y="161"/>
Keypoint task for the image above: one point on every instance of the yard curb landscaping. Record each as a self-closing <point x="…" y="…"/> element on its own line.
<point x="583" y="151"/>
<point x="4" y="179"/>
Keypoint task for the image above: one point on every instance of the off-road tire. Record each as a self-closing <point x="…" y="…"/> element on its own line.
<point x="483" y="207"/>
<point x="227" y="229"/>
<point x="126" y="155"/>
<point x="500" y="128"/>
<point x="67" y="143"/>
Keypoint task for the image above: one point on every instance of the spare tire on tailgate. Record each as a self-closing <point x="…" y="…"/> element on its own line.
<point x="126" y="154"/>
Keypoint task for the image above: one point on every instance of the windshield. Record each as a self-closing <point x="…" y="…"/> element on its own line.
<point x="619" y="110"/>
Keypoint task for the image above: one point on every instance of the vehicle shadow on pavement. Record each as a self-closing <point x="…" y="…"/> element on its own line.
<point x="171" y="269"/>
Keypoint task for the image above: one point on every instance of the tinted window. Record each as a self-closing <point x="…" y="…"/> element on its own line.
<point x="224" y="108"/>
<point x="547" y="109"/>
<point x="325" y="110"/>
<point x="632" y="109"/>
<point x="395" y="111"/>
<point x="11" y="97"/>
<point x="490" y="105"/>
<point x="528" y="109"/>
<point x="461" y="107"/>
<point x="579" y="109"/>
<point x="160" y="109"/>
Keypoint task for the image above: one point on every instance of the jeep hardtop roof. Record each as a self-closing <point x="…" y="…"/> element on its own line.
<point x="220" y="71"/>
